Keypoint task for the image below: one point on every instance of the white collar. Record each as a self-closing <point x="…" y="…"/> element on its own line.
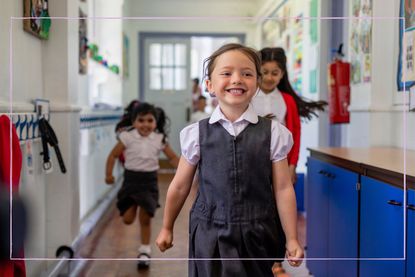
<point x="249" y="115"/>
<point x="275" y="91"/>
<point x="138" y="135"/>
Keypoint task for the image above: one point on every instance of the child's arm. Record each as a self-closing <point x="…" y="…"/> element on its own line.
<point x="115" y="153"/>
<point x="177" y="193"/>
<point x="286" y="205"/>
<point x="173" y="159"/>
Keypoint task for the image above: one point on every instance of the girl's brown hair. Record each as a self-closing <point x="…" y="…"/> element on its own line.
<point x="252" y="54"/>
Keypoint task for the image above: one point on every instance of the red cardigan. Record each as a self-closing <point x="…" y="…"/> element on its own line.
<point x="292" y="122"/>
<point x="10" y="171"/>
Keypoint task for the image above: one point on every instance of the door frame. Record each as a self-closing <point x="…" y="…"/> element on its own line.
<point x="142" y="36"/>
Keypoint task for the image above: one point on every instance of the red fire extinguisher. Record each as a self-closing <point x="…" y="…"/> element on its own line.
<point x="339" y="89"/>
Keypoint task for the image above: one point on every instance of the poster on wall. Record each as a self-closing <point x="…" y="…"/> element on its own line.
<point x="284" y="40"/>
<point x="314" y="22"/>
<point x="125" y="56"/>
<point x="270" y="31"/>
<point x="297" y="54"/>
<point x="408" y="55"/>
<point x="275" y="29"/>
<point x="361" y="41"/>
<point x="83" y="43"/>
<point x="39" y="22"/>
<point x="406" y="61"/>
<point x="313" y="32"/>
<point x="409" y="13"/>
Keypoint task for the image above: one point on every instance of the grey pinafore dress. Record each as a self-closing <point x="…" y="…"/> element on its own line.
<point x="234" y="217"/>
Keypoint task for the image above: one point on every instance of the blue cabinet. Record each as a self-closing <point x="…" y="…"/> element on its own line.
<point x="332" y="220"/>
<point x="410" y="235"/>
<point x="343" y="222"/>
<point x="317" y="217"/>
<point x="381" y="229"/>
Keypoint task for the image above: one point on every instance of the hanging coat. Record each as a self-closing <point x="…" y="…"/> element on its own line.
<point x="10" y="180"/>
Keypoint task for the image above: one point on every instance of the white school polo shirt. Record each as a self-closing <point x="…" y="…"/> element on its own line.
<point x="142" y="153"/>
<point x="270" y="103"/>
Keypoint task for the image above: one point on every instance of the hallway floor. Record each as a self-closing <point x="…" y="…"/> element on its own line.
<point x="112" y="239"/>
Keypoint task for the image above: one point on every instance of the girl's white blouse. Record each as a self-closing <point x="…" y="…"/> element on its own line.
<point x="270" y="103"/>
<point x="142" y="153"/>
<point x="281" y="138"/>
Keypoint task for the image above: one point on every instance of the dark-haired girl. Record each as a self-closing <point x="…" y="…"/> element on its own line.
<point x="278" y="100"/>
<point x="141" y="146"/>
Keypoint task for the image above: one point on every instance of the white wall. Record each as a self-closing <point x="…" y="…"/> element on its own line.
<point x="95" y="144"/>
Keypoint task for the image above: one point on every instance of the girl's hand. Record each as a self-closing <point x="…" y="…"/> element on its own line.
<point x="164" y="240"/>
<point x="109" y="180"/>
<point x="270" y="116"/>
<point x="294" y="253"/>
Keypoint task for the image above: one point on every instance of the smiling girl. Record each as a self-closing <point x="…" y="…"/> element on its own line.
<point x="141" y="146"/>
<point x="244" y="216"/>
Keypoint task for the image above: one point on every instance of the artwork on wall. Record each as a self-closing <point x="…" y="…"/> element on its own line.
<point x="125" y="56"/>
<point x="270" y="30"/>
<point x="314" y="22"/>
<point x="409" y="56"/>
<point x="409" y="13"/>
<point x="361" y="41"/>
<point x="275" y="30"/>
<point x="83" y="43"/>
<point x="39" y="22"/>
<point x="97" y="56"/>
<point x="406" y="60"/>
<point x="297" y="54"/>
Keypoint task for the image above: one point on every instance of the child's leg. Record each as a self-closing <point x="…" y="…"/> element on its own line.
<point x="130" y="214"/>
<point x="144" y="251"/>
<point x="145" y="226"/>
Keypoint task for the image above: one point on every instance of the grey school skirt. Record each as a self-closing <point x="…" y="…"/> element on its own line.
<point x="140" y="189"/>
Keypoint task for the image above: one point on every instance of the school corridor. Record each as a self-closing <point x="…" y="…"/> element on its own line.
<point x="73" y="72"/>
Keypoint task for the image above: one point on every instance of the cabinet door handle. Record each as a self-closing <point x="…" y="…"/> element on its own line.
<point x="331" y="175"/>
<point x="394" y="202"/>
<point x="410" y="207"/>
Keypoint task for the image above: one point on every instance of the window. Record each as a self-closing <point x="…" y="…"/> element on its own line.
<point x="168" y="66"/>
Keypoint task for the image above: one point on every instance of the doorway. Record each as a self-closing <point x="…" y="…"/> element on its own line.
<point x="167" y="64"/>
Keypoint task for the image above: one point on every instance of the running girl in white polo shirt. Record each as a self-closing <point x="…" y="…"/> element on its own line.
<point x="141" y="147"/>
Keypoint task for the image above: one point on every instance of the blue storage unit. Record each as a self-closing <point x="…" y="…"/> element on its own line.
<point x="381" y="229"/>
<point x="410" y="235"/>
<point x="332" y="220"/>
<point x="355" y="209"/>
<point x="343" y="222"/>
<point x="299" y="192"/>
<point x="317" y="218"/>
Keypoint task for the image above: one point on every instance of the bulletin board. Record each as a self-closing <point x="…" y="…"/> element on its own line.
<point x="360" y="41"/>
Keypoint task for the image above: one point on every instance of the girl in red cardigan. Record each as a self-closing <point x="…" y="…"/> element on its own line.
<point x="277" y="99"/>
